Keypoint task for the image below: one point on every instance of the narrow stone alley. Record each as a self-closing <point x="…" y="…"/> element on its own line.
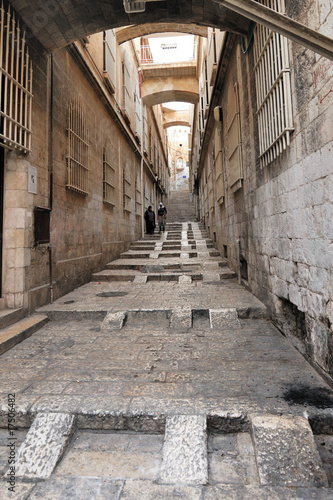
<point x="163" y="378"/>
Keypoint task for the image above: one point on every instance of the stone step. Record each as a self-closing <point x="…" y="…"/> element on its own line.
<point x="132" y="254"/>
<point x="286" y="452"/>
<point x="10" y="316"/>
<point x="114" y="275"/>
<point x="44" y="445"/>
<point x="185" y="450"/>
<point x="20" y="331"/>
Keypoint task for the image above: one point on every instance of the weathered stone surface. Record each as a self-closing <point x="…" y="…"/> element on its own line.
<point x="114" y="321"/>
<point x="185" y="450"/>
<point x="224" y="318"/>
<point x="72" y="488"/>
<point x="232" y="492"/>
<point x="181" y="318"/>
<point x="44" y="445"/>
<point x="147" y="490"/>
<point x="286" y="452"/>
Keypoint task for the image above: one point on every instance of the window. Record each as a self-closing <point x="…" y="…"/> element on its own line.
<point x="15" y="85"/>
<point x="138" y="201"/>
<point x="138" y="122"/>
<point x="234" y="138"/>
<point x="109" y="65"/>
<point x="147" y="195"/>
<point x="109" y="179"/>
<point x="78" y="149"/>
<point x="212" y="54"/>
<point x="219" y="183"/>
<point x="211" y="181"/>
<point x="272" y="74"/>
<point x="126" y="87"/>
<point x="127" y="190"/>
<point x="206" y="90"/>
<point x="145" y="131"/>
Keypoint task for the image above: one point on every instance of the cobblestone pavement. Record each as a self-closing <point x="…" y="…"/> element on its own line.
<point x="174" y="387"/>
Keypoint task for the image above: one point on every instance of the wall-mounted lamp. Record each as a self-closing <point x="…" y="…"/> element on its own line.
<point x="218" y="113"/>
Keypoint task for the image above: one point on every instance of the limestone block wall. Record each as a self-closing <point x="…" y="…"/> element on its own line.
<point x="283" y="213"/>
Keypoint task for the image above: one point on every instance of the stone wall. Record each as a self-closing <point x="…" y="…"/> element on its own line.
<point x="283" y="213"/>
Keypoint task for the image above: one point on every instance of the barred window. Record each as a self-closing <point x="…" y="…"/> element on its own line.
<point x="138" y="113"/>
<point x="109" y="59"/>
<point x="15" y="85"/>
<point x="234" y="138"/>
<point x="146" y="195"/>
<point x="145" y="131"/>
<point x="272" y="73"/>
<point x="109" y="179"/>
<point x="212" y="54"/>
<point x="219" y="182"/>
<point x="138" y="201"/>
<point x="127" y="199"/>
<point x="78" y="149"/>
<point x="126" y="87"/>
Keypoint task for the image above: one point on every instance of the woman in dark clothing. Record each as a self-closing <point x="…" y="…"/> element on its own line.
<point x="150" y="220"/>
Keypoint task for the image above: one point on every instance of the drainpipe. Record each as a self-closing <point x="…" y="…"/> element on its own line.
<point x="51" y="70"/>
<point x="239" y="261"/>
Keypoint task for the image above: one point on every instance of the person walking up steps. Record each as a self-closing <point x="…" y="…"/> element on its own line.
<point x="161" y="215"/>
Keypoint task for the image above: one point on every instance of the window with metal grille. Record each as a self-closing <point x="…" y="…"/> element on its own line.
<point x="126" y="87"/>
<point x="145" y="131"/>
<point x="138" y="201"/>
<point x="127" y="199"/>
<point x="219" y="183"/>
<point x="109" y="179"/>
<point x="78" y="149"/>
<point x="272" y="74"/>
<point x="234" y="138"/>
<point x="15" y="85"/>
<point x="212" y="54"/>
<point x="138" y="113"/>
<point x="109" y="59"/>
<point x="146" y="195"/>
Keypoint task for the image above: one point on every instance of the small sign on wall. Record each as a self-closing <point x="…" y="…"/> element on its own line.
<point x="32" y="180"/>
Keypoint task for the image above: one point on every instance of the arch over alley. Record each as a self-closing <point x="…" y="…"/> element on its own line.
<point x="56" y="24"/>
<point x="129" y="32"/>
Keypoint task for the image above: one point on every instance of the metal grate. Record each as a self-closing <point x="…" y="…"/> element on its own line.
<point x="234" y="138"/>
<point x="109" y="69"/>
<point x="138" y="201"/>
<point x="78" y="149"/>
<point x="127" y="199"/>
<point x="15" y="85"/>
<point x="109" y="180"/>
<point x="272" y="73"/>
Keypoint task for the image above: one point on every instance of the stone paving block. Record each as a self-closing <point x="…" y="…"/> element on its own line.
<point x="114" y="465"/>
<point x="154" y="255"/>
<point x="140" y="279"/>
<point x="224" y="318"/>
<point x="185" y="450"/>
<point x="147" y="490"/>
<point x="184" y="255"/>
<point x="184" y="280"/>
<point x="114" y="321"/>
<point x="207" y="276"/>
<point x="181" y="318"/>
<point x="21" y="491"/>
<point x="44" y="445"/>
<point x="286" y="452"/>
<point x="237" y="492"/>
<point x="77" y="488"/>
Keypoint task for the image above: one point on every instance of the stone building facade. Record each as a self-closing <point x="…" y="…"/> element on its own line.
<point x="263" y="172"/>
<point x="75" y="198"/>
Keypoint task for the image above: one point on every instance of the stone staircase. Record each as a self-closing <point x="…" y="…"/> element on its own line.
<point x="180" y="209"/>
<point x="184" y="253"/>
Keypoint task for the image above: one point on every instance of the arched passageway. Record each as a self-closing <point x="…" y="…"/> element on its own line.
<point x="56" y="24"/>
